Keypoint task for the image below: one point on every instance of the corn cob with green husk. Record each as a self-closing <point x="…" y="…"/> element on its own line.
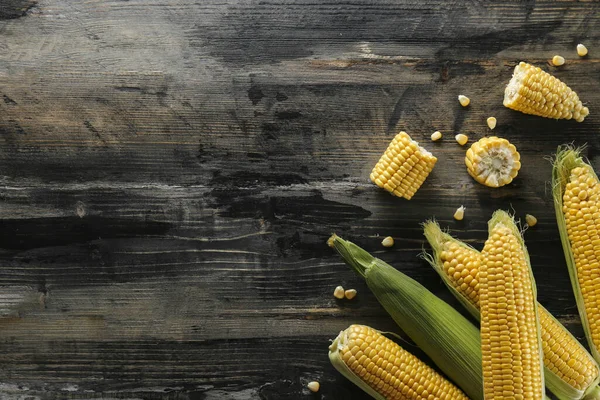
<point x="576" y="193"/>
<point x="447" y="337"/>
<point x="570" y="371"/>
<point x="385" y="370"/>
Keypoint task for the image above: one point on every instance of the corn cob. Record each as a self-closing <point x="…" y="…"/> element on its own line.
<point x="385" y="370"/>
<point x="570" y="371"/>
<point x="493" y="161"/>
<point x="576" y="192"/>
<point x="510" y="337"/>
<point x="403" y="167"/>
<point x="447" y="337"/>
<point x="533" y="91"/>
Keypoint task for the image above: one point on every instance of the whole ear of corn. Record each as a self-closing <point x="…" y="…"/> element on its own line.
<point x="447" y="337"/>
<point x="576" y="192"/>
<point x="511" y="344"/>
<point x="384" y="370"/>
<point x="570" y="371"/>
<point x="403" y="167"/>
<point x="533" y="91"/>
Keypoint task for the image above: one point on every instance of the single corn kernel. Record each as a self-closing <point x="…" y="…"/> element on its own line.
<point x="459" y="214"/>
<point x="491" y="122"/>
<point x="533" y="91"/>
<point x="493" y="161"/>
<point x="582" y="50"/>
<point x="461" y="139"/>
<point x="350" y="294"/>
<point x="464" y="100"/>
<point x="530" y="219"/>
<point x="314" y="386"/>
<point x="435" y="136"/>
<point x="339" y="293"/>
<point x="558" y="60"/>
<point x="387" y="242"/>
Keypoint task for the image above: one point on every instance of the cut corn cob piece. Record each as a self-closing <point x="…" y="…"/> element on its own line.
<point x="533" y="91"/>
<point x="445" y="335"/>
<point x="403" y="167"/>
<point x="383" y="369"/>
<point x="576" y="192"/>
<point x="570" y="371"/>
<point x="511" y="344"/>
<point x="493" y="161"/>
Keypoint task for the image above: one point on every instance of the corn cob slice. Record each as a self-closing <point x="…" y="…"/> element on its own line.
<point x="493" y="161"/>
<point x="403" y="167"/>
<point x="385" y="370"/>
<point x="510" y="337"/>
<point x="576" y="192"/>
<point x="570" y="371"/>
<point x="446" y="336"/>
<point x="533" y="91"/>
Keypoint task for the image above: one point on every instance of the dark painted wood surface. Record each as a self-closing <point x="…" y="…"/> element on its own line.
<point x="171" y="170"/>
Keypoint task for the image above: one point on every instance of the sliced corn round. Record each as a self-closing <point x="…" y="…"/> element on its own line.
<point x="493" y="161"/>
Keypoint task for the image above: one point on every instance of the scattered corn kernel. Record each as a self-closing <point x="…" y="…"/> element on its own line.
<point x="558" y="60"/>
<point x="582" y="50"/>
<point x="314" y="386"/>
<point x="531" y="220"/>
<point x="387" y="242"/>
<point x="533" y="91"/>
<point x="339" y="293"/>
<point x="491" y="122"/>
<point x="461" y="139"/>
<point x="464" y="100"/>
<point x="459" y="214"/>
<point x="435" y="136"/>
<point x="350" y="294"/>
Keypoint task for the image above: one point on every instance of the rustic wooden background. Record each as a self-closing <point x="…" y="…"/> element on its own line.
<point x="171" y="169"/>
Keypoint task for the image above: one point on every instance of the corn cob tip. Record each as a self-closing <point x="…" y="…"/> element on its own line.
<point x="331" y="240"/>
<point x="359" y="259"/>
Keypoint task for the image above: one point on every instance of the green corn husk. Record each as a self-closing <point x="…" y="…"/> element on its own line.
<point x="337" y="361"/>
<point x="501" y="217"/>
<point x="567" y="158"/>
<point x="447" y="337"/>
<point x="561" y="389"/>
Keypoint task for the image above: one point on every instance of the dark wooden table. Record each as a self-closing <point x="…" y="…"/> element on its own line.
<point x="171" y="169"/>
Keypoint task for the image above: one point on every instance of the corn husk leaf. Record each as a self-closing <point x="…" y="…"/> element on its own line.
<point x="437" y="239"/>
<point x="567" y="157"/>
<point x="447" y="337"/>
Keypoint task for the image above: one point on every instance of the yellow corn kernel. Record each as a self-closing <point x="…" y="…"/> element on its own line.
<point x="531" y="220"/>
<point x="509" y="322"/>
<point x="378" y="364"/>
<point x="463" y="100"/>
<point x="403" y="167"/>
<point x="491" y="122"/>
<point x="581" y="50"/>
<point x="558" y="61"/>
<point x="387" y="242"/>
<point x="459" y="264"/>
<point x="435" y="136"/>
<point x="459" y="214"/>
<point x="461" y="139"/>
<point x="533" y="91"/>
<point x="338" y="292"/>
<point x="493" y="161"/>
<point x="314" y="386"/>
<point x="350" y="294"/>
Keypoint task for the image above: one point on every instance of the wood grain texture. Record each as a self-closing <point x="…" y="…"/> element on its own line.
<point x="171" y="169"/>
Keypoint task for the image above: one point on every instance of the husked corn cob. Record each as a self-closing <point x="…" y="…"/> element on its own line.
<point x="571" y="373"/>
<point x="403" y="167"/>
<point x="510" y="337"/>
<point x="533" y="91"/>
<point x="576" y="193"/>
<point x="385" y="370"/>
<point x="493" y="161"/>
<point x="446" y="336"/>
